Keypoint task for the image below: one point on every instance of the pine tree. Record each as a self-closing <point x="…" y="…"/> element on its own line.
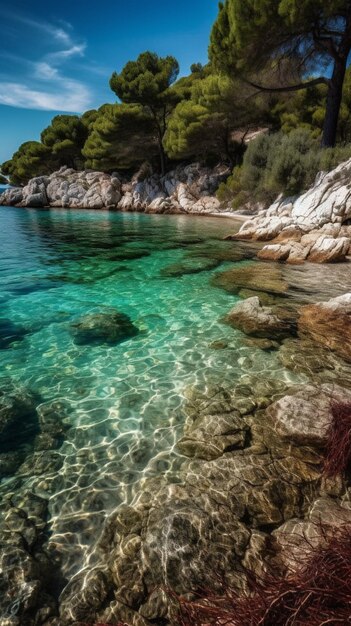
<point x="147" y="82"/>
<point x="313" y="35"/>
<point x="121" y="137"/>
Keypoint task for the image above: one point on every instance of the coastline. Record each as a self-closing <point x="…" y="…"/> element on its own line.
<point x="222" y="472"/>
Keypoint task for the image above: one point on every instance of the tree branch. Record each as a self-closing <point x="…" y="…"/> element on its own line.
<point x="326" y="44"/>
<point x="311" y="83"/>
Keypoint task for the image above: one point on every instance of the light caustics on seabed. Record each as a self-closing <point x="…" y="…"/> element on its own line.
<point x="121" y="404"/>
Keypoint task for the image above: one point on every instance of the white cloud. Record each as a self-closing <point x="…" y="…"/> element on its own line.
<point x="62" y="55"/>
<point x="71" y="96"/>
<point x="42" y="85"/>
<point x="45" y="71"/>
<point x="57" y="32"/>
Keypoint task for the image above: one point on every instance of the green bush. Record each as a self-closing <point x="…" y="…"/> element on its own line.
<point x="279" y="164"/>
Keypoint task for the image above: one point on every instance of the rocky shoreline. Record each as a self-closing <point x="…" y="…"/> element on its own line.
<point x="189" y="189"/>
<point x="314" y="226"/>
<point x="251" y="486"/>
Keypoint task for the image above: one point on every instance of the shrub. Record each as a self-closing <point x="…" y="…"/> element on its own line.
<point x="279" y="164"/>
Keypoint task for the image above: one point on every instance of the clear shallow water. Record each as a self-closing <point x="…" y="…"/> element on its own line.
<point x="125" y="402"/>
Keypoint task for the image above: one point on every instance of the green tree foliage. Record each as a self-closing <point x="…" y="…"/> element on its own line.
<point x="261" y="34"/>
<point x="147" y="82"/>
<point x="279" y="164"/>
<point x="204" y="125"/>
<point x="306" y="109"/>
<point x="3" y="180"/>
<point x="89" y="118"/>
<point x="31" y="159"/>
<point x="182" y="88"/>
<point x="188" y="131"/>
<point x="302" y="109"/>
<point x="201" y="125"/>
<point x="65" y="137"/>
<point x="121" y="137"/>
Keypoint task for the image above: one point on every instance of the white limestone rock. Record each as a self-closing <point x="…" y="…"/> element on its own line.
<point x="187" y="189"/>
<point x="314" y="219"/>
<point x="305" y="418"/>
<point x="256" y="320"/>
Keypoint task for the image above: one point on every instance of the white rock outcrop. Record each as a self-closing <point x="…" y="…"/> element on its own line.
<point x="313" y="226"/>
<point x="189" y="189"/>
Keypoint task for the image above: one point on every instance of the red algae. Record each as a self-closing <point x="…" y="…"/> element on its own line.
<point x="338" y="448"/>
<point x="316" y="592"/>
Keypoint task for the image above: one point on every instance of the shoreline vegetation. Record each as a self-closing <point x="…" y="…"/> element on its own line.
<point x="252" y="524"/>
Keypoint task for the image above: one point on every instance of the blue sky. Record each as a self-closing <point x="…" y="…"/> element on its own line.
<point x="57" y="56"/>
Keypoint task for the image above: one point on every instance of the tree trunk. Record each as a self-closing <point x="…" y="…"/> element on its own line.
<point x="334" y="98"/>
<point x="160" y="134"/>
<point x="162" y="155"/>
<point x="226" y="140"/>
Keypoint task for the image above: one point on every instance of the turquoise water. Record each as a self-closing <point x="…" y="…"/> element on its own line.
<point x="123" y="403"/>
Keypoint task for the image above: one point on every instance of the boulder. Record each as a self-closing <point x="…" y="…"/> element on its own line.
<point x="315" y="247"/>
<point x="189" y="189"/>
<point x="189" y="266"/>
<point x="106" y="327"/>
<point x="18" y="418"/>
<point x="296" y="538"/>
<point x="12" y="197"/>
<point x="297" y="253"/>
<point x="329" y="324"/>
<point x="262" y="277"/>
<point x="34" y="193"/>
<point x="206" y="204"/>
<point x="305" y="417"/>
<point x="210" y="436"/>
<point x="308" y="227"/>
<point x="263" y="228"/>
<point x="10" y="333"/>
<point x="274" y="252"/>
<point x="94" y="190"/>
<point x="254" y="319"/>
<point x="328" y="249"/>
<point x="328" y="201"/>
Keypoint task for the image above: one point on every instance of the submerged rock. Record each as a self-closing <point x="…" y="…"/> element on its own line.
<point x="261" y="277"/>
<point x="10" y="462"/>
<point x="109" y="327"/>
<point x="189" y="266"/>
<point x="219" y="344"/>
<point x="329" y="324"/>
<point x="233" y="254"/>
<point x="305" y="417"/>
<point x="256" y="320"/>
<point x="210" y="436"/>
<point x="28" y="575"/>
<point x="129" y="254"/>
<point x="261" y="343"/>
<point x="18" y="417"/>
<point x="296" y="538"/>
<point x="10" y="332"/>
